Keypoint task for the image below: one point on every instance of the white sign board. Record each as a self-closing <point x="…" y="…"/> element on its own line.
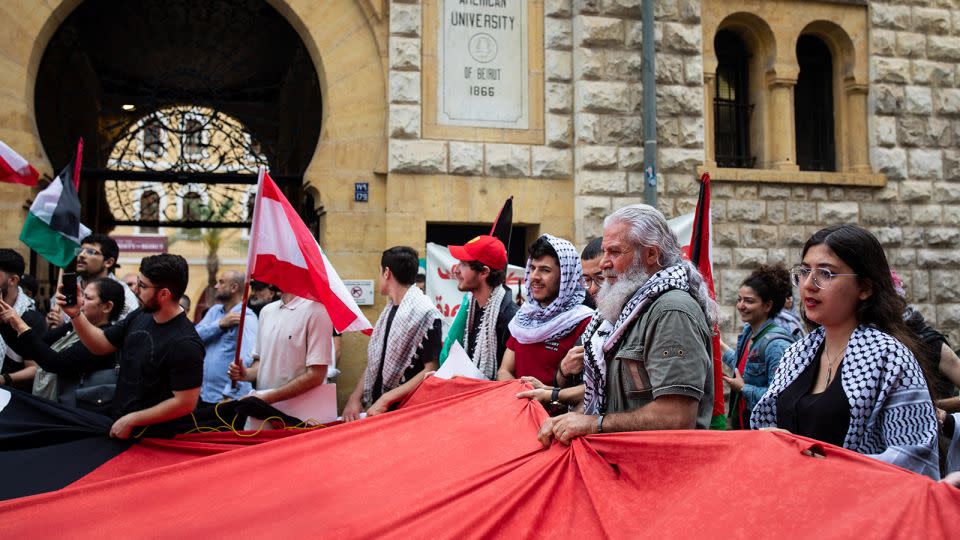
<point x="482" y="55"/>
<point x="442" y="284"/>
<point x="361" y="290"/>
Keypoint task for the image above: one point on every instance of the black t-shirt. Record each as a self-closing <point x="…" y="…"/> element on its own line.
<point x="33" y="319"/>
<point x="429" y="351"/>
<point x="508" y="308"/>
<point x="824" y="416"/>
<point x="155" y="360"/>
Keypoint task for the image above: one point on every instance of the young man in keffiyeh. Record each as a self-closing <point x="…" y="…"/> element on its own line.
<point x="16" y="370"/>
<point x="553" y="318"/>
<point x="481" y="272"/>
<point x="406" y="340"/>
<point x="647" y="362"/>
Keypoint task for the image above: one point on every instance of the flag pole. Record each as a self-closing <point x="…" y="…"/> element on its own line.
<point x="252" y="248"/>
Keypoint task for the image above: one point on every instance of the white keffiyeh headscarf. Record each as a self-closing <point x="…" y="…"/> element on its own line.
<point x="602" y="336"/>
<point x="535" y="323"/>
<point x="414" y="318"/>
<point x="485" y="350"/>
<point x="22" y="304"/>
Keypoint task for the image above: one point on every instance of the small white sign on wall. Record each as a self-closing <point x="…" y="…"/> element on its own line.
<point x="361" y="290"/>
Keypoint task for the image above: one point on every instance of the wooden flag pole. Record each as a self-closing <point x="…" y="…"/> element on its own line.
<point x="251" y="251"/>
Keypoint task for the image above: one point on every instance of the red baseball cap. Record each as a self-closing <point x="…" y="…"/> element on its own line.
<point x="485" y="249"/>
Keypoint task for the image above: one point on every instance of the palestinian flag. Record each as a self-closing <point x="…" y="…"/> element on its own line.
<point x="53" y="227"/>
<point x="15" y="169"/>
<point x="485" y="476"/>
<point x="701" y="257"/>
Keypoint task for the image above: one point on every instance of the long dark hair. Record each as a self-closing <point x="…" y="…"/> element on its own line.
<point x="772" y="284"/>
<point x="110" y="291"/>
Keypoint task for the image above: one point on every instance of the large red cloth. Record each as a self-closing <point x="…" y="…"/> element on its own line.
<point x="461" y="459"/>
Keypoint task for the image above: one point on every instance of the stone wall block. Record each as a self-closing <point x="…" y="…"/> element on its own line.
<point x="891" y="70"/>
<point x="691" y="132"/>
<point x="932" y="73"/>
<point x="623" y="66"/>
<point x="837" y="212"/>
<point x="910" y="45"/>
<point x="938" y="258"/>
<point x="726" y="235"/>
<point x="587" y="128"/>
<point x="551" y="162"/>
<point x="926" y="214"/>
<point x="404" y="87"/>
<point x="951" y="165"/>
<point x="596" y="157"/>
<point x="912" y="191"/>
<point x="884" y="214"/>
<point x="888" y="236"/>
<point x="680" y="185"/>
<point x="902" y="258"/>
<point x="405" y="19"/>
<point x="405" y="121"/>
<point x="925" y="163"/>
<point x="558" y="130"/>
<point x="621" y="130"/>
<point x="556" y="8"/>
<point x="508" y="160"/>
<point x="466" y="158"/>
<point x="722" y="257"/>
<point x="557" y="33"/>
<point x="891" y="162"/>
<point x="682" y="38"/>
<point x="939" y="132"/>
<point x="749" y="257"/>
<point x="776" y="211"/>
<point x="885" y="130"/>
<point x="931" y="21"/>
<point x="634" y="33"/>
<point x="951" y="214"/>
<point x="558" y="65"/>
<point x="630" y="158"/>
<point x="943" y="48"/>
<point x="668" y="131"/>
<point x="589" y="64"/>
<point x="599" y="31"/>
<point x="774" y="192"/>
<point x="888" y="98"/>
<point x="918" y="287"/>
<point x="786" y="257"/>
<point x="749" y="211"/>
<point x="819" y="194"/>
<point x="730" y="281"/>
<point x="624" y="8"/>
<point x="912" y="236"/>
<point x="919" y="100"/>
<point x="884" y="42"/>
<point x="947" y="287"/>
<point x="679" y="159"/>
<point x="947" y="192"/>
<point x="589" y="211"/>
<point x="404" y="53"/>
<point x="758" y="235"/>
<point x="678" y="100"/>
<point x="603" y="97"/>
<point x="801" y="213"/>
<point x="892" y="16"/>
<point x="602" y="182"/>
<point x="913" y="130"/>
<point x="947" y="101"/>
<point x="941" y="236"/>
<point x="559" y="97"/>
<point x="421" y="157"/>
<point x="587" y="6"/>
<point x="791" y="235"/>
<point x="887" y="193"/>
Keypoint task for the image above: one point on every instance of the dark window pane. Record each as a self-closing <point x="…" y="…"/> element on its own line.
<point x="813" y="106"/>
<point x="149" y="211"/>
<point x="731" y="105"/>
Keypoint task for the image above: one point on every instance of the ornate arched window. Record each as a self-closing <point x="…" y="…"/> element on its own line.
<point x="731" y="102"/>
<point x="813" y="106"/>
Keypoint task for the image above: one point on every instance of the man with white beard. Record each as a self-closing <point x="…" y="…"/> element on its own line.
<point x="647" y="359"/>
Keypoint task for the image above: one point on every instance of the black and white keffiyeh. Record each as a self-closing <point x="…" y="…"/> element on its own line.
<point x="414" y="318"/>
<point x="601" y="336"/>
<point x="535" y="323"/>
<point x="891" y="413"/>
<point x="22" y="304"/>
<point x="485" y="349"/>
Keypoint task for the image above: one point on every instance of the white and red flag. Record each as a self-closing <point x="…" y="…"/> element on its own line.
<point x="14" y="169"/>
<point x="285" y="254"/>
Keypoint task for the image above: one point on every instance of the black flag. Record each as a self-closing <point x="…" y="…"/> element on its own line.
<point x="503" y="226"/>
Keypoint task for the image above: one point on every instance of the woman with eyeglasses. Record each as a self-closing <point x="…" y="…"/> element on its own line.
<point x="853" y="381"/>
<point x="761" y="343"/>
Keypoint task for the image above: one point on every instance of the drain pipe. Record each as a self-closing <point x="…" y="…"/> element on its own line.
<point x="649" y="78"/>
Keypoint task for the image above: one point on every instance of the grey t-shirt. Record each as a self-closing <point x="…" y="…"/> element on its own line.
<point x="668" y="351"/>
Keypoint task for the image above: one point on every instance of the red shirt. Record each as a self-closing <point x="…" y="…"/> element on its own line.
<point x="541" y="359"/>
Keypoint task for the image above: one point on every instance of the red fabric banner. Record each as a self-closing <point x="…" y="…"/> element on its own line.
<point x="461" y="459"/>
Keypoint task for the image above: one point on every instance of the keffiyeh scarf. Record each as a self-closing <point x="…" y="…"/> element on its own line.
<point x="601" y="336"/>
<point x="414" y="318"/>
<point x="485" y="350"/>
<point x="22" y="304"/>
<point x="892" y="417"/>
<point x="535" y="323"/>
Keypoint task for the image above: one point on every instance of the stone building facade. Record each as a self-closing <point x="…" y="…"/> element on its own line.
<point x="896" y="115"/>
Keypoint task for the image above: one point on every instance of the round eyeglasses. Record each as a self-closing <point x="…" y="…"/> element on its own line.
<point x="821" y="276"/>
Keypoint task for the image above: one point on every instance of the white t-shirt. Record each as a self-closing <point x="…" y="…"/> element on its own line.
<point x="291" y="337"/>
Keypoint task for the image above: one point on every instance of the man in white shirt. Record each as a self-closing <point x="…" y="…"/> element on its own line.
<point x="293" y="349"/>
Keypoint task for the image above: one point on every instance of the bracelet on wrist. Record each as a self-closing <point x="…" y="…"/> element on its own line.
<point x="555" y="394"/>
<point x="600" y="423"/>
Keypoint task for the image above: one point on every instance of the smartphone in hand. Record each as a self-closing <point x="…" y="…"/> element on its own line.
<point x="69" y="282"/>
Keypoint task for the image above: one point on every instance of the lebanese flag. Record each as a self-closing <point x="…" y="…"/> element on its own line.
<point x="701" y="256"/>
<point x="285" y="254"/>
<point x="14" y="169"/>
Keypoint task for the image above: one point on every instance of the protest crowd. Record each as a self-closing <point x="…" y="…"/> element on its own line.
<point x="615" y="338"/>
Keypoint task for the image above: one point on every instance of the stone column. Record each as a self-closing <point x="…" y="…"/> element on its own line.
<point x="858" y="160"/>
<point x="782" y="131"/>
<point x="710" y="149"/>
